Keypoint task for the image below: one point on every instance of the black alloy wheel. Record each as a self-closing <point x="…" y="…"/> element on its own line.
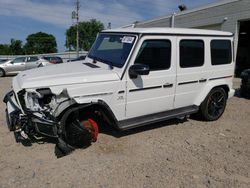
<point x="214" y="105"/>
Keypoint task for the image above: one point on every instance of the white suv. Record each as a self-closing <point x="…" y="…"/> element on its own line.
<point x="131" y="77"/>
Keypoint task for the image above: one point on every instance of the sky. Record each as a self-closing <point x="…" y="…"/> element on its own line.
<point x="19" y="18"/>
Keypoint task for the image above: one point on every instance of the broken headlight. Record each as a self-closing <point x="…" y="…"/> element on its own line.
<point x="38" y="100"/>
<point x="32" y="101"/>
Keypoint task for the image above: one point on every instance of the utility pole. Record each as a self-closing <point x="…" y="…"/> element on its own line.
<point x="173" y="20"/>
<point x="77" y="27"/>
<point x="109" y="25"/>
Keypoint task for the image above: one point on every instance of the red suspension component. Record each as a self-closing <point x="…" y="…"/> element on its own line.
<point x="93" y="127"/>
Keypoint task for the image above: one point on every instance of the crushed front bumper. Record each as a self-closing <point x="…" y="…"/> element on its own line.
<point x="12" y="110"/>
<point x="19" y="119"/>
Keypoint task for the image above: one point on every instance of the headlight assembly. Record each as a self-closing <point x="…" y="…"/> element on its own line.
<point x="32" y="101"/>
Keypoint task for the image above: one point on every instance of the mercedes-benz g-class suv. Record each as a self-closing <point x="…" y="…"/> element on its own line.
<point x="130" y="77"/>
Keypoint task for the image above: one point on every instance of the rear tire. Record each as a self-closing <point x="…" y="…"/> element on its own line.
<point x="214" y="105"/>
<point x="2" y="73"/>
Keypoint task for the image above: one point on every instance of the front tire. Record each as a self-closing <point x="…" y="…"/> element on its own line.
<point x="80" y="131"/>
<point x="2" y="73"/>
<point x="214" y="105"/>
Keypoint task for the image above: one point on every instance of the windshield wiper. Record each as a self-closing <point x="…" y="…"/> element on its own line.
<point x="111" y="66"/>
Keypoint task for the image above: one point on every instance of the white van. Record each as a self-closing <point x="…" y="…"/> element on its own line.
<point x="131" y="77"/>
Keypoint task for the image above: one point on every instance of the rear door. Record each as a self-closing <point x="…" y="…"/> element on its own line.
<point x="32" y="62"/>
<point x="191" y="70"/>
<point x="149" y="94"/>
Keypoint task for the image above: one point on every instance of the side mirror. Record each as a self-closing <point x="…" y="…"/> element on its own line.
<point x="138" y="69"/>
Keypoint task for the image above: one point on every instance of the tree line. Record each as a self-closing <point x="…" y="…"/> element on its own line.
<point x="36" y="43"/>
<point x="40" y="42"/>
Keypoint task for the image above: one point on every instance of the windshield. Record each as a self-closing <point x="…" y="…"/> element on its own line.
<point x="112" y="49"/>
<point x="2" y="61"/>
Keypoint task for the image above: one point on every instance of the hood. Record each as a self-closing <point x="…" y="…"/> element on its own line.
<point x="64" y="74"/>
<point x="4" y="64"/>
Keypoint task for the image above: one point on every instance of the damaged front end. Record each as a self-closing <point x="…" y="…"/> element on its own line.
<point x="31" y="113"/>
<point x="35" y="113"/>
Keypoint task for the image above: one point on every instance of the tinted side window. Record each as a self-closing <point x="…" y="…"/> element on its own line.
<point x="221" y="52"/>
<point x="191" y="53"/>
<point x="155" y="53"/>
<point x="46" y="58"/>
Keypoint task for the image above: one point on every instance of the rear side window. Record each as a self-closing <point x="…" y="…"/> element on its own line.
<point x="191" y="53"/>
<point x="221" y="52"/>
<point x="156" y="54"/>
<point x="31" y="59"/>
<point x="47" y="58"/>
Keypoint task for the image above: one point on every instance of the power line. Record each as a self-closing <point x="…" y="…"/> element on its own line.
<point x="144" y="9"/>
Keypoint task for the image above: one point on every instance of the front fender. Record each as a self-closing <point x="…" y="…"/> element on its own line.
<point x="99" y="105"/>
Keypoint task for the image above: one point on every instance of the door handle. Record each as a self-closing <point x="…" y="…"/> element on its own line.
<point x="167" y="85"/>
<point x="202" y="80"/>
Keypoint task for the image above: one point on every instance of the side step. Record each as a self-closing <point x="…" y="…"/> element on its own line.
<point x="153" y="118"/>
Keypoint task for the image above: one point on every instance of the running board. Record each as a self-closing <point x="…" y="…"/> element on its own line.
<point x="153" y="118"/>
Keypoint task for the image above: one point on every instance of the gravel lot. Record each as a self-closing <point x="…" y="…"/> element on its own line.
<point x="169" y="154"/>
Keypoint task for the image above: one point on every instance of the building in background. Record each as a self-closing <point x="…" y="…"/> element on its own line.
<point x="228" y="15"/>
